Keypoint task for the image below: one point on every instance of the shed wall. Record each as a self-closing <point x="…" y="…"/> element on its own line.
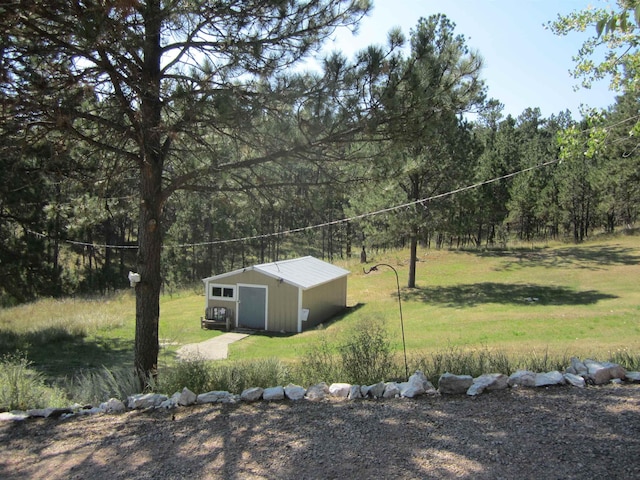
<point x="324" y="301"/>
<point x="282" y="313"/>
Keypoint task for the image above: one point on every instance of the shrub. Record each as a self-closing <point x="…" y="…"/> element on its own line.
<point x="23" y="388"/>
<point x="364" y="357"/>
<point x="319" y="363"/>
<point x="366" y="354"/>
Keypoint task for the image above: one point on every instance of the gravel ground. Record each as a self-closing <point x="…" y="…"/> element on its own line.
<point x="547" y="433"/>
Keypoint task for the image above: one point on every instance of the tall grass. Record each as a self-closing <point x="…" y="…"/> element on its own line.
<point x="628" y="360"/>
<point x="202" y="376"/>
<point x="474" y="362"/>
<point x="239" y="375"/>
<point x="23" y="388"/>
<point x="93" y="387"/>
<point x="48" y="321"/>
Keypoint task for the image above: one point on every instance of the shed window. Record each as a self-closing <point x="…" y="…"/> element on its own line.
<point x="224" y="292"/>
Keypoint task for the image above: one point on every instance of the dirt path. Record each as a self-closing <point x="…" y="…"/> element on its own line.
<point x="554" y="433"/>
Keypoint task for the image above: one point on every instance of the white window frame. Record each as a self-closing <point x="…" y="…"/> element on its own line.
<point x="223" y="287"/>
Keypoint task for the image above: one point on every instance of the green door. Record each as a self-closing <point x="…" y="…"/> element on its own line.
<point x="252" y="307"/>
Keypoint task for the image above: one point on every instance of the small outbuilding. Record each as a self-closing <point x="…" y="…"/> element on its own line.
<point x="287" y="296"/>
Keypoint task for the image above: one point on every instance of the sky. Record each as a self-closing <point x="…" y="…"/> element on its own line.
<point x="526" y="65"/>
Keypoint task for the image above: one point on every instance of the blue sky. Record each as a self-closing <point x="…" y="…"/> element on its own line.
<point x="525" y="64"/>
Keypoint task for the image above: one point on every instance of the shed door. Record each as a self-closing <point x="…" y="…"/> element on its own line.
<point x="252" y="307"/>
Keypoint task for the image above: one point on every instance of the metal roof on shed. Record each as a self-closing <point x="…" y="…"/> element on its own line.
<point x="304" y="272"/>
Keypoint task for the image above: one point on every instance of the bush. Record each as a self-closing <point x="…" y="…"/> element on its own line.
<point x="23" y="388"/>
<point x="319" y="363"/>
<point x="363" y="358"/>
<point x="366" y="355"/>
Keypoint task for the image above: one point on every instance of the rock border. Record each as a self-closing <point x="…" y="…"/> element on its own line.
<point x="579" y="374"/>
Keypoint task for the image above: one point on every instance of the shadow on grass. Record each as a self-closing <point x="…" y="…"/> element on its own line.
<point x="593" y="257"/>
<point x="56" y="352"/>
<point x="474" y="294"/>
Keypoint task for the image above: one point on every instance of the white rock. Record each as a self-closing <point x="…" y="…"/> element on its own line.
<point x="252" y="394"/>
<point x="340" y="389"/>
<point x="169" y="403"/>
<point x="214" y="397"/>
<point x="418" y="384"/>
<point x="575" y="380"/>
<point x="354" y="392"/>
<point x="391" y="390"/>
<point x="364" y="390"/>
<point x="294" y="392"/>
<point x="488" y="381"/>
<point x="113" y="405"/>
<point x="273" y="393"/>
<point x="616" y="370"/>
<point x="14" y="416"/>
<point x="228" y="398"/>
<point x="602" y="372"/>
<point x="577" y="367"/>
<point x="377" y="390"/>
<point x="633" y="376"/>
<point x="145" y="400"/>
<point x="454" y="384"/>
<point x="38" y="412"/>
<point x="522" y="378"/>
<point x="186" y="397"/>
<point x="549" y="378"/>
<point x="317" y="392"/>
<point x="91" y="411"/>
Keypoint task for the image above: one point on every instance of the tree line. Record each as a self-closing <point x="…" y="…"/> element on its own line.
<point x="72" y="234"/>
<point x="176" y="139"/>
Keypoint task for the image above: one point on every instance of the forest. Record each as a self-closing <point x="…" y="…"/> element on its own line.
<point x="176" y="139"/>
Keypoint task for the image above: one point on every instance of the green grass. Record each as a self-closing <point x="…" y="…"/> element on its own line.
<point x="62" y="337"/>
<point x="466" y="301"/>
<point x="588" y="302"/>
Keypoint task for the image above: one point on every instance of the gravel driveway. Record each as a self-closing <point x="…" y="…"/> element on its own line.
<point x="544" y="433"/>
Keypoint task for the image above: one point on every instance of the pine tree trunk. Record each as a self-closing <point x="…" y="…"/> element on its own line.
<point x="413" y="259"/>
<point x="148" y="290"/>
<point x="151" y="201"/>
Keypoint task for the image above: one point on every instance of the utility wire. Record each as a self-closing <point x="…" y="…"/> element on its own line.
<point x="334" y="222"/>
<point x="319" y="225"/>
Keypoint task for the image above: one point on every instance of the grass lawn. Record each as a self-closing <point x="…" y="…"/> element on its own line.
<point x="558" y="299"/>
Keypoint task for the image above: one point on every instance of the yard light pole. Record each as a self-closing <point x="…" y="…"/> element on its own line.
<point x="404" y="345"/>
